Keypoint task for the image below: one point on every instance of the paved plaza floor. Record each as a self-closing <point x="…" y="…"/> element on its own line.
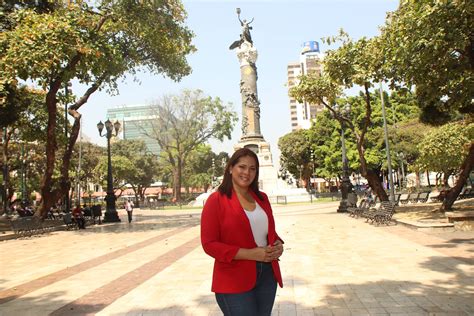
<point x="332" y="265"/>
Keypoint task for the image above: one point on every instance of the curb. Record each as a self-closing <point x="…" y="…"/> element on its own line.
<point x="433" y="227"/>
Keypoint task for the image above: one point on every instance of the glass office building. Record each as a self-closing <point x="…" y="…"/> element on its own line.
<point x="135" y="120"/>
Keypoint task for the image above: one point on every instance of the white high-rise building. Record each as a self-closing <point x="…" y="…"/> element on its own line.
<point x="301" y="114"/>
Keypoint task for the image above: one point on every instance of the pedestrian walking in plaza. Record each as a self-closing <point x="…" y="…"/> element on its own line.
<point x="238" y="231"/>
<point x="129" y="208"/>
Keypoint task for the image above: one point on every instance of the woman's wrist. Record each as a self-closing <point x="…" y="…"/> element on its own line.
<point x="257" y="254"/>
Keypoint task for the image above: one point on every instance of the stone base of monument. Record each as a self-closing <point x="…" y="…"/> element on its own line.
<point x="269" y="182"/>
<point x="278" y="190"/>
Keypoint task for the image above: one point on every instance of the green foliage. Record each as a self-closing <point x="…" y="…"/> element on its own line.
<point x="405" y="138"/>
<point x="325" y="145"/>
<point x="144" y="167"/>
<point x="199" y="170"/>
<point x="296" y="153"/>
<point x="428" y="44"/>
<point x="50" y="43"/>
<point x="183" y="123"/>
<point x="90" y="158"/>
<point x="122" y="167"/>
<point x="440" y="149"/>
<point x="102" y="41"/>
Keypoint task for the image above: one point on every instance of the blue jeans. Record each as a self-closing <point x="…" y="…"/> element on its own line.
<point x="256" y="302"/>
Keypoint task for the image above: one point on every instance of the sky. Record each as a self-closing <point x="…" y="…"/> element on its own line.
<point x="279" y="29"/>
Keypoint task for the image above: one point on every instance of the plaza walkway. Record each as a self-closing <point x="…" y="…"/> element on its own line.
<point x="332" y="265"/>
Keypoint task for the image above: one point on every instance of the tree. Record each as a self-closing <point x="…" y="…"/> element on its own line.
<point x="325" y="139"/>
<point x="354" y="63"/>
<point x="184" y="122"/>
<point x="199" y="171"/>
<point x="23" y="124"/>
<point x="296" y="154"/>
<point x="439" y="150"/>
<point x="429" y="45"/>
<point x="95" y="43"/>
<point x="89" y="172"/>
<point x="122" y="168"/>
<point x="144" y="165"/>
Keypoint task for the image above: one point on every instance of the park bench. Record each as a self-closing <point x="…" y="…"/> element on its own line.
<point x="385" y="215"/>
<point x="466" y="193"/>
<point x="69" y="222"/>
<point x="32" y="225"/>
<point x="358" y="210"/>
<point x="423" y="197"/>
<point x="93" y="215"/>
<point x="26" y="226"/>
<point x="397" y="199"/>
<point x="404" y="198"/>
<point x="374" y="201"/>
<point x="413" y="197"/>
<point x="382" y="215"/>
<point x="281" y="199"/>
<point x="434" y="196"/>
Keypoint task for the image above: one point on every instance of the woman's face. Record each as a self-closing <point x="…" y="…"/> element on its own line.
<point x="243" y="172"/>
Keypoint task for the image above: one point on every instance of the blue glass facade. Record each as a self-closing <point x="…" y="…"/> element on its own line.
<point x="135" y="122"/>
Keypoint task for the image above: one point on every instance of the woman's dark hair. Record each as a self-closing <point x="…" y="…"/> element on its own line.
<point x="226" y="185"/>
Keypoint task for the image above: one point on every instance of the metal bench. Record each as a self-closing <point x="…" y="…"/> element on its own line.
<point x="397" y="198"/>
<point x="423" y="197"/>
<point x="27" y="226"/>
<point x="466" y="193"/>
<point x="382" y="215"/>
<point x="358" y="210"/>
<point x="93" y="215"/>
<point x="413" y="197"/>
<point x="69" y="222"/>
<point x="404" y="198"/>
<point x="281" y="199"/>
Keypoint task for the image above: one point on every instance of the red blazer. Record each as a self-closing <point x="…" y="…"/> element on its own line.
<point x="224" y="230"/>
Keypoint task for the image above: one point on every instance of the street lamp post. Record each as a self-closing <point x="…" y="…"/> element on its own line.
<point x="401" y="156"/>
<point x="313" y="171"/>
<point x="23" y="172"/>
<point x="345" y="183"/>
<point x="111" y="214"/>
<point x="387" y="147"/>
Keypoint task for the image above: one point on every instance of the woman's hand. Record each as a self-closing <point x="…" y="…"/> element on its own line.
<point x="263" y="254"/>
<point x="274" y="251"/>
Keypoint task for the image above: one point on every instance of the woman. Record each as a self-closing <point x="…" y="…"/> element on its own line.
<point x="238" y="231"/>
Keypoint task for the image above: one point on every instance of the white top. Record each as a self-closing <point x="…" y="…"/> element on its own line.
<point x="259" y="223"/>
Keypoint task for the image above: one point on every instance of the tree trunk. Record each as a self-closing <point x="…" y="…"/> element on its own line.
<point x="428" y="178"/>
<point x="371" y="176"/>
<point x="376" y="185"/>
<point x="177" y="181"/>
<point x="5" y="172"/>
<point x="49" y="196"/>
<point x="446" y="179"/>
<point x="65" y="181"/>
<point x="465" y="170"/>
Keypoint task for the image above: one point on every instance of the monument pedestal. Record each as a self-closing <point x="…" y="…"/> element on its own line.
<point x="268" y="175"/>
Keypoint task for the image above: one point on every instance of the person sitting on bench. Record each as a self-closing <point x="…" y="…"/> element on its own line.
<point x="79" y="217"/>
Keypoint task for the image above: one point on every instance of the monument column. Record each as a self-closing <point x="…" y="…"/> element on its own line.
<point x="247" y="55"/>
<point x="252" y="137"/>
